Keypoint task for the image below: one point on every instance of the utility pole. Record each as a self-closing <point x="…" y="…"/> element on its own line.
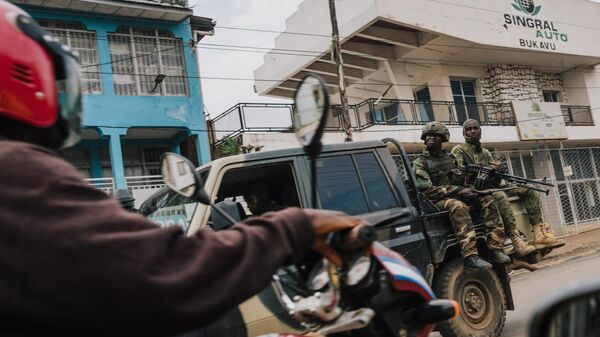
<point x="336" y="55"/>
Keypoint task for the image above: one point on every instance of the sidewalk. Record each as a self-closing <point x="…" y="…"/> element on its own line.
<point x="577" y="245"/>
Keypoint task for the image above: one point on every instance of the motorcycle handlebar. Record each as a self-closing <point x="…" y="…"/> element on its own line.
<point x="359" y="237"/>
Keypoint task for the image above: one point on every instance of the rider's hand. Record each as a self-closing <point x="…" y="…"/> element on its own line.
<point x="325" y="222"/>
<point x="499" y="166"/>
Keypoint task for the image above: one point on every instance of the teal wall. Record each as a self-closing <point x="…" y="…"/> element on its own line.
<point x="112" y="115"/>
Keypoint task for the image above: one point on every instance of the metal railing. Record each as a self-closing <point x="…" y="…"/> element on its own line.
<point x="144" y="182"/>
<point x="140" y="187"/>
<point x="105" y="184"/>
<point x="573" y="205"/>
<point x="410" y="112"/>
<point x="253" y="117"/>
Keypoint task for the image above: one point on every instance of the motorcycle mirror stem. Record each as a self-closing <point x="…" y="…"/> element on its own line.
<point x="180" y="175"/>
<point x="311" y="102"/>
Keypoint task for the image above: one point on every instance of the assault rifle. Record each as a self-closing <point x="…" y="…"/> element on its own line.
<point x="486" y="176"/>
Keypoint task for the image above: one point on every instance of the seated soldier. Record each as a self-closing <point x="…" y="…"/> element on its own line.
<point x="437" y="177"/>
<point x="259" y="200"/>
<point x="471" y="152"/>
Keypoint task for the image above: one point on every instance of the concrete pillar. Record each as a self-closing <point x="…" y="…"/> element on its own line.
<point x="116" y="154"/>
<point x="201" y="147"/>
<point x="95" y="165"/>
<point x="105" y="65"/>
<point x="176" y="141"/>
<point x="175" y="148"/>
<point x="439" y="90"/>
<point x="398" y="75"/>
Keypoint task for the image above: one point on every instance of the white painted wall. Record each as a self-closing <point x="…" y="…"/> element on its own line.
<point x="497" y="137"/>
<point x="479" y="21"/>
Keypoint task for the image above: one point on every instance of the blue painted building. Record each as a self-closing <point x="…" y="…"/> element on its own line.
<point x="141" y="82"/>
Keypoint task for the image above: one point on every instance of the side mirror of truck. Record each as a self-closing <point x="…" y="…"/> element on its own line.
<point x="573" y="313"/>
<point x="180" y="175"/>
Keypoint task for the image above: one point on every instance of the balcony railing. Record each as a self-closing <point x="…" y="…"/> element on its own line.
<point x="140" y="187"/>
<point x="250" y="117"/>
<point x="105" y="184"/>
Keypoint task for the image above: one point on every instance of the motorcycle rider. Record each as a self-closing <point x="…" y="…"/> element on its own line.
<point x="439" y="178"/>
<point x="73" y="261"/>
<point x="471" y="152"/>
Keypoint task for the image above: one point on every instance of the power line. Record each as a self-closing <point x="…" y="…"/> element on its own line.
<point x="311" y="53"/>
<point x="268" y="49"/>
<point x="278" y="80"/>
<point x="130" y="58"/>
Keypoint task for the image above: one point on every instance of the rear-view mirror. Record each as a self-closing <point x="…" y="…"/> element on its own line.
<point x="179" y="174"/>
<point x="575" y="313"/>
<point x="311" y="102"/>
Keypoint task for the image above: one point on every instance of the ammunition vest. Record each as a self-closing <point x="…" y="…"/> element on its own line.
<point x="440" y="168"/>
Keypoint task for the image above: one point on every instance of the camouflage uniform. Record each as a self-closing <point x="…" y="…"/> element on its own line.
<point x="468" y="153"/>
<point x="471" y="152"/>
<point x="437" y="178"/>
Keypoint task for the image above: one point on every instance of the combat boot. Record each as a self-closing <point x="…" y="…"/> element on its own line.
<point x="521" y="247"/>
<point x="474" y="262"/>
<point x="498" y="256"/>
<point x="544" y="238"/>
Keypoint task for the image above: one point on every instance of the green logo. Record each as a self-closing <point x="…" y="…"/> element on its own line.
<point x="535" y="107"/>
<point x="527" y="6"/>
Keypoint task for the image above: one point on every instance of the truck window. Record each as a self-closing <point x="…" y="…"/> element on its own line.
<point x="271" y="187"/>
<point x="354" y="184"/>
<point x="379" y="192"/>
<point x="338" y="185"/>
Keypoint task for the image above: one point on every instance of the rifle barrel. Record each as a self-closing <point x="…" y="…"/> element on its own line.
<point x="523" y="180"/>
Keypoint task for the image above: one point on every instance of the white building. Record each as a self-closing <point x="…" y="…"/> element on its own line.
<point x="449" y="60"/>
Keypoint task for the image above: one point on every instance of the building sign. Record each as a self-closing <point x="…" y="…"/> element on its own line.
<point x="541" y="34"/>
<point x="539" y="120"/>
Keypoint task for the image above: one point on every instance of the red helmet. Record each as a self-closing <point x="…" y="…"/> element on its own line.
<point x="32" y="64"/>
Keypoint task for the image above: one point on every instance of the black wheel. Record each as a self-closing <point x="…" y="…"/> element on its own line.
<point x="480" y="296"/>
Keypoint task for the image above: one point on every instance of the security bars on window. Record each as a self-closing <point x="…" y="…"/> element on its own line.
<point x="138" y="55"/>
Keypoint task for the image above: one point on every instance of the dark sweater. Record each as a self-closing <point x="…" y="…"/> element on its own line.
<point x="73" y="262"/>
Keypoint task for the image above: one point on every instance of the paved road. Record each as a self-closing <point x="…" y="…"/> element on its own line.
<point x="531" y="288"/>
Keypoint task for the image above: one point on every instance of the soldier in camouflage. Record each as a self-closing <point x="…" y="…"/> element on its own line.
<point x="471" y="152"/>
<point x="439" y="179"/>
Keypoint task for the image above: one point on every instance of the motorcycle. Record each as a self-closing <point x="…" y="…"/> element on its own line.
<point x="375" y="293"/>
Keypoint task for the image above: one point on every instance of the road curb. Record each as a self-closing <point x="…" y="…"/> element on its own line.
<point x="560" y="258"/>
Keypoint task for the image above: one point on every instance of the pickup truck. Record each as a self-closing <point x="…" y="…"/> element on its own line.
<point x="372" y="180"/>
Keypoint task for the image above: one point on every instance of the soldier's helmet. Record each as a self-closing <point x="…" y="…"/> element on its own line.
<point x="436" y="128"/>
